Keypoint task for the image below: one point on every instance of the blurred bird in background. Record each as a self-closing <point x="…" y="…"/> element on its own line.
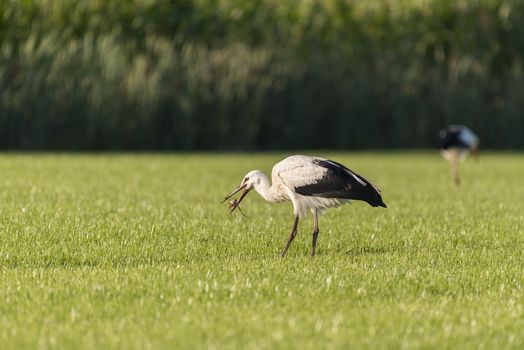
<point x="456" y="142"/>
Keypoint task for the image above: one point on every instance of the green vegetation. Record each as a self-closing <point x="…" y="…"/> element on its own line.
<point x="239" y="74"/>
<point x="134" y="252"/>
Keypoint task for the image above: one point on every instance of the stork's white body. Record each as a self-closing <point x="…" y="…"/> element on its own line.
<point x="293" y="172"/>
<point x="311" y="184"/>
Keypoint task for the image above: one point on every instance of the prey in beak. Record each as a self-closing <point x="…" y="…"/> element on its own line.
<point x="235" y="202"/>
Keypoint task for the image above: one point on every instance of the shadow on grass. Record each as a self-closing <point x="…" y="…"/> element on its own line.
<point x="370" y="250"/>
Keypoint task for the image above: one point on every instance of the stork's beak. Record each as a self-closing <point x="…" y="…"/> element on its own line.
<point x="235" y="202"/>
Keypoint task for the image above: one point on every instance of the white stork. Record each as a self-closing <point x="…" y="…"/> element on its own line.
<point x="456" y="141"/>
<point x="311" y="184"/>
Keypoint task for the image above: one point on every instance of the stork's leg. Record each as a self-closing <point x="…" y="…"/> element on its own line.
<point x="315" y="231"/>
<point x="291" y="236"/>
<point x="454" y="169"/>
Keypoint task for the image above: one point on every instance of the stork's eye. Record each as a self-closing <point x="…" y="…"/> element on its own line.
<point x="246" y="178"/>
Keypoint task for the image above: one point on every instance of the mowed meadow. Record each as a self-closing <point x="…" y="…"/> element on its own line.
<point x="135" y="252"/>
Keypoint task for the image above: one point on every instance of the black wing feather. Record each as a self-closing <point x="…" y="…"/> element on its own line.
<point x="451" y="138"/>
<point x="341" y="182"/>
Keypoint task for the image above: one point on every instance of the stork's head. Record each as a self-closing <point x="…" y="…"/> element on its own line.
<point x="252" y="179"/>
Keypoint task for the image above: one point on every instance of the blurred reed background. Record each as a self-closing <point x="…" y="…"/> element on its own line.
<point x="273" y="74"/>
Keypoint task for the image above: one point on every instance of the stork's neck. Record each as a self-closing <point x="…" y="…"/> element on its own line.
<point x="265" y="189"/>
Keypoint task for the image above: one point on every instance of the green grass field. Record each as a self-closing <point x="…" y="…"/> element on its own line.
<point x="135" y="252"/>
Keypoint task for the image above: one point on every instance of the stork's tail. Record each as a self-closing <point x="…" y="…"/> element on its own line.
<point x="377" y="202"/>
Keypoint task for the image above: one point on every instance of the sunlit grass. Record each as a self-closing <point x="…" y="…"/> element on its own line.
<point x="134" y="251"/>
